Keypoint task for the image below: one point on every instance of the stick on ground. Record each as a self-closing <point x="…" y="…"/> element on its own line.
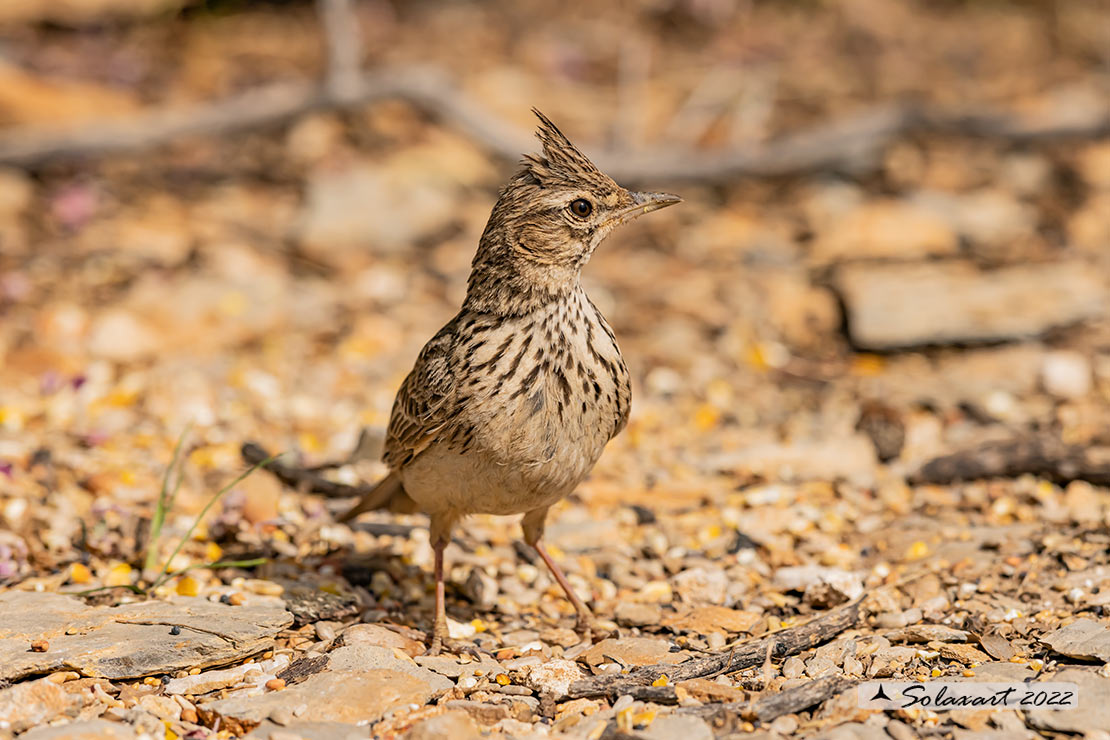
<point x="781" y="644"/>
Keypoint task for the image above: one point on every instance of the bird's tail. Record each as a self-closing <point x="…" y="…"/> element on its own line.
<point x="388" y="494"/>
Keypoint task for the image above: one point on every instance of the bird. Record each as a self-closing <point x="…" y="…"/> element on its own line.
<point x="509" y="406"/>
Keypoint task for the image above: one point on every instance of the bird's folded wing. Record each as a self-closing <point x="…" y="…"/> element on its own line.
<point x="424" y="405"/>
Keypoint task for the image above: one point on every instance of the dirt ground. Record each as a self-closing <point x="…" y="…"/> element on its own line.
<point x="871" y="379"/>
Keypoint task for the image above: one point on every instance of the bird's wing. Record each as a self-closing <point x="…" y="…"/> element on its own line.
<point x="423" y="407"/>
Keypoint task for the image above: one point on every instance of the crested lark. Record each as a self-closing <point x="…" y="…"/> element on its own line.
<point x="510" y="405"/>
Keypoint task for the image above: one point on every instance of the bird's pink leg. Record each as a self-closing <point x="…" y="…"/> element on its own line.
<point x="439" y="630"/>
<point x="585" y="616"/>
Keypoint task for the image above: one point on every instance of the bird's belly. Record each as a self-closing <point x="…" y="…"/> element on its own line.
<point x="516" y="461"/>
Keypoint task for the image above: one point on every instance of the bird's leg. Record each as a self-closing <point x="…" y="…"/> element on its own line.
<point x="533" y="526"/>
<point x="584" y="626"/>
<point x="439" y="631"/>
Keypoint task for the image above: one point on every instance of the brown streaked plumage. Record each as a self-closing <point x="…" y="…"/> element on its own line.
<point x="509" y="406"/>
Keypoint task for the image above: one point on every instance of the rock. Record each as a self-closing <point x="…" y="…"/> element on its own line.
<point x="854" y="731"/>
<point x="1066" y="374"/>
<point x="849" y="458"/>
<point x="208" y="681"/>
<point x="445" y="665"/>
<point x="368" y="207"/>
<point x="1094" y="705"/>
<point x="553" y="677"/>
<point x="793" y="667"/>
<point x="898" y="306"/>
<point x="928" y="633"/>
<point x="359" y="684"/>
<point x="821" y="585"/>
<point x="481" y="588"/>
<point x="119" y="335"/>
<point x="309" y="730"/>
<point x="629" y="651"/>
<point x="966" y="654"/>
<point x="34" y="703"/>
<point x="886" y="229"/>
<point x="986" y="217"/>
<point x="366" y="657"/>
<point x="701" y="585"/>
<point x="132" y="640"/>
<point x="455" y="724"/>
<point x="897" y="620"/>
<point x="93" y="729"/>
<point x="382" y="636"/>
<point x="705" y="689"/>
<point x="1083" y="638"/>
<point x="311" y="605"/>
<point x="671" y="726"/>
<point x="162" y="707"/>
<point x="706" y="620"/>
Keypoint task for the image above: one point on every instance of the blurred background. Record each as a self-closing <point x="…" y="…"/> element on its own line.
<point x="250" y="216"/>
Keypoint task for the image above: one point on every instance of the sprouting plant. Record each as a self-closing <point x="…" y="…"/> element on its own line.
<point x="167" y="497"/>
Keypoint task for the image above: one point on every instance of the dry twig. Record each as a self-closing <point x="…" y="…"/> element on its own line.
<point x="1043" y="456"/>
<point x="781" y="644"/>
<point x="852" y="144"/>
<point x="725" y="717"/>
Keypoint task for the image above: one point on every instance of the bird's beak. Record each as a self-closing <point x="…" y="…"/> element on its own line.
<point x="644" y="203"/>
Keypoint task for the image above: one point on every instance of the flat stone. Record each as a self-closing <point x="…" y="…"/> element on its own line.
<point x="360" y="684"/>
<point x="312" y="605"/>
<point x="965" y="654"/>
<point x="928" y="633"/>
<point x="445" y="665"/>
<point x="382" y="636"/>
<point x="314" y="730"/>
<point x="33" y="703"/>
<point x="553" y="677"/>
<point x="132" y="640"/>
<point x="705" y="620"/>
<point x="851" y="458"/>
<point x="633" y="614"/>
<point x="1083" y="638"/>
<point x="705" y="689"/>
<point x="806" y="578"/>
<point x="372" y="657"/>
<point x="854" y="731"/>
<point x="93" y="729"/>
<point x="886" y="229"/>
<point x="897" y="306"/>
<point x="456" y="724"/>
<point x="203" y="683"/>
<point x="701" y="585"/>
<point x="1094" y="705"/>
<point x="671" y="726"/>
<point x="629" y="651"/>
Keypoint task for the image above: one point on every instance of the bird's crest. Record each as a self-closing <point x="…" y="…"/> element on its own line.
<point x="561" y="163"/>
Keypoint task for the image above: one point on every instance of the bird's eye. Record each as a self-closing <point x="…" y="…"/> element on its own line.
<point x="581" y="208"/>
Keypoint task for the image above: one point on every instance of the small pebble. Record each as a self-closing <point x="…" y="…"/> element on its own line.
<point x="325" y="631"/>
<point x="236" y="599"/>
<point x="281" y="716"/>
<point x="40" y="646"/>
<point x="275" y="684"/>
<point x="175" y="630"/>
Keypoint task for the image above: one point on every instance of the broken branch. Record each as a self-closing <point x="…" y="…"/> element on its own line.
<point x="780" y="644"/>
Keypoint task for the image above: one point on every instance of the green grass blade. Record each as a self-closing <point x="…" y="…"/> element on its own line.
<point x="165" y="502"/>
<point x="165" y="568"/>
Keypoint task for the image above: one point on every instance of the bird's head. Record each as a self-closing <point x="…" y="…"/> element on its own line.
<point x="554" y="212"/>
